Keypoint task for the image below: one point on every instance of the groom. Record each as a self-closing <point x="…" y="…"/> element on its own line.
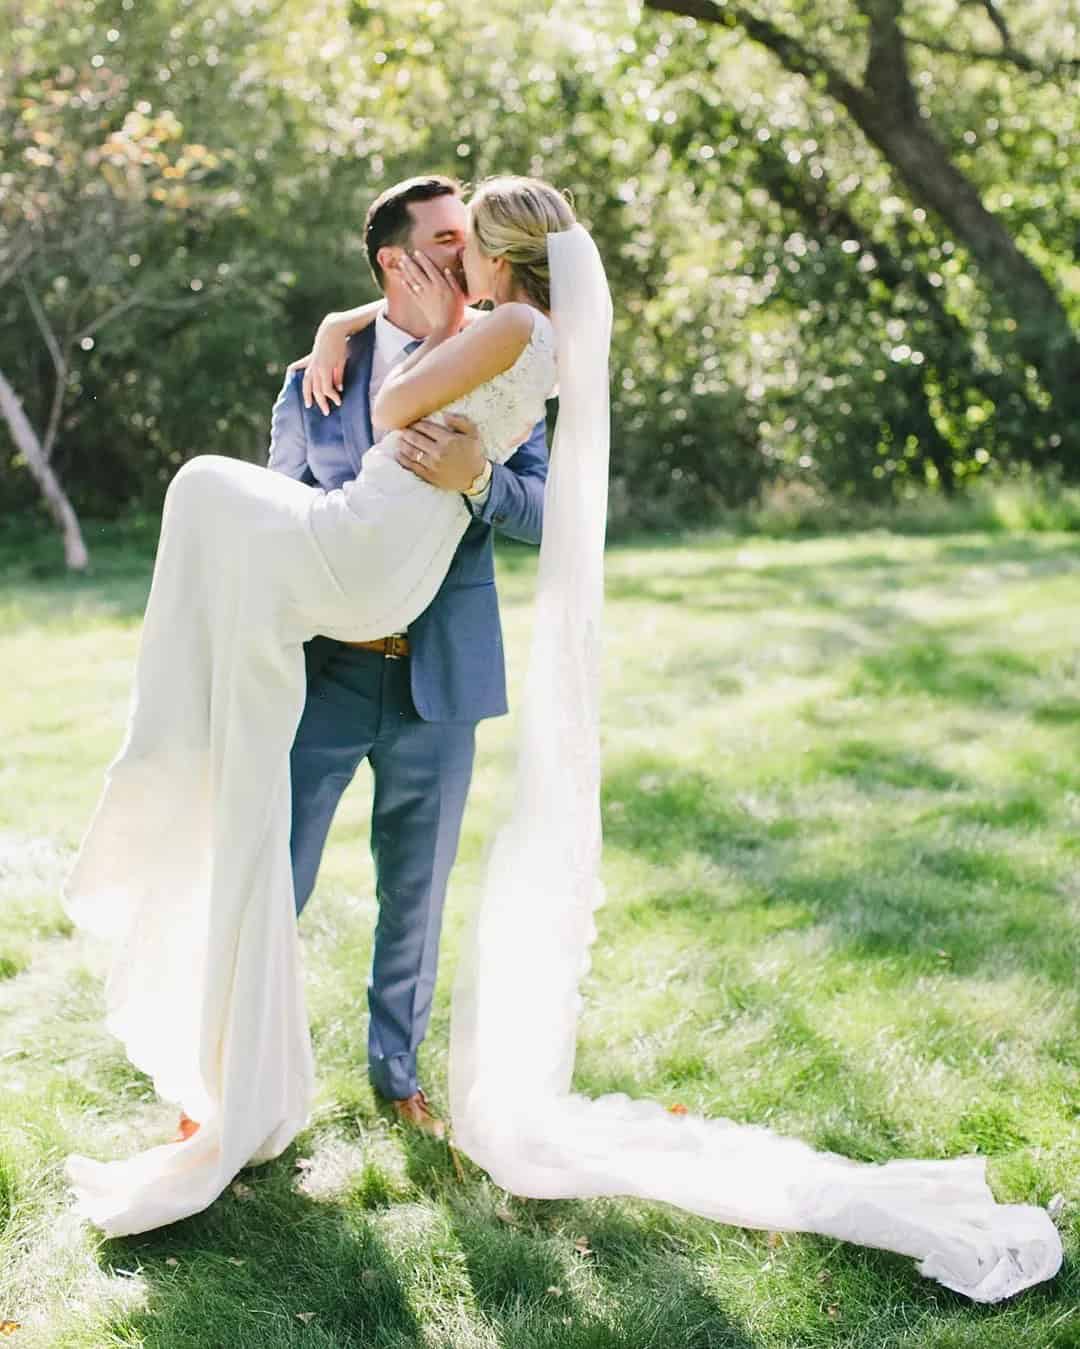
<point x="408" y="703"/>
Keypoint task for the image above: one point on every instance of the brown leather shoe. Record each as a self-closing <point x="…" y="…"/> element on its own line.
<point x="186" y="1129"/>
<point x="413" y="1110"/>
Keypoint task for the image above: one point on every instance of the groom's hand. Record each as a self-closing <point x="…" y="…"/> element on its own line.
<point x="447" y="457"/>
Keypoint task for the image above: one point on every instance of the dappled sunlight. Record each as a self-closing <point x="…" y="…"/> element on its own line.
<point x="840" y="819"/>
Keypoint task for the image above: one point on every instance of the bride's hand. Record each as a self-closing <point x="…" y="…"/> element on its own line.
<point x="437" y="293"/>
<point x="324" y="371"/>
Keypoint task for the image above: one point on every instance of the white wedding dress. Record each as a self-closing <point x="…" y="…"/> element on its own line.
<point x="186" y="867"/>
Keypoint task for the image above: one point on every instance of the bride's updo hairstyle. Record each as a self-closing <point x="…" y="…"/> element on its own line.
<point x="511" y="218"/>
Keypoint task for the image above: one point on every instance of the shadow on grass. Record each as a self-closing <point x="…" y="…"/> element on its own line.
<point x="990" y="677"/>
<point x="278" y="1268"/>
<point x="273" y="1268"/>
<point x="917" y="900"/>
<point x="122" y="554"/>
<point x="860" y="585"/>
<point x="520" y="1253"/>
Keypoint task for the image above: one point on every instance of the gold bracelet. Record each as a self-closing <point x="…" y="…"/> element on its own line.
<point x="480" y="481"/>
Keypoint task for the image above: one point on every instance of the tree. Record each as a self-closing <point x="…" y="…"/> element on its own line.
<point x="886" y="107"/>
<point x="83" y="194"/>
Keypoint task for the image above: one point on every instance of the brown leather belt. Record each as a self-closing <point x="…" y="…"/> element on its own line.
<point x="393" y="648"/>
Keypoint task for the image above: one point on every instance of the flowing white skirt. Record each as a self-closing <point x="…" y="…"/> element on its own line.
<point x="185" y="869"/>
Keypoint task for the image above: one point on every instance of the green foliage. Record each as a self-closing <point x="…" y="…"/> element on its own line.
<point x="8" y="1190"/>
<point x="784" y="311"/>
<point x="1015" y="504"/>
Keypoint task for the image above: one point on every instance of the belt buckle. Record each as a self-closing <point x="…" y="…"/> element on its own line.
<point x="394" y="649"/>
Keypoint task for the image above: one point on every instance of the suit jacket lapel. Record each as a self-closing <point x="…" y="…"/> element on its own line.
<point x="356" y="404"/>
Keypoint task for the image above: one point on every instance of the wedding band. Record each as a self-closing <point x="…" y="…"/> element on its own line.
<point x="419" y="456"/>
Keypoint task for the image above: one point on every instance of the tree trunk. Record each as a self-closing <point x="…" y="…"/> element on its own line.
<point x="886" y="110"/>
<point x="60" y="508"/>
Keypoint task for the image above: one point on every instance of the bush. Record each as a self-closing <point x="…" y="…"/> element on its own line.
<point x="1020" y="504"/>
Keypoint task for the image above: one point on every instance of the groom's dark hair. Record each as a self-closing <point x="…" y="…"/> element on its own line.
<point x="388" y="221"/>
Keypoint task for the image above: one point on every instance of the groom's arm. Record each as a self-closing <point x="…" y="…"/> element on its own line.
<point x="451" y="457"/>
<point x="515" y="500"/>
<point x="288" y="433"/>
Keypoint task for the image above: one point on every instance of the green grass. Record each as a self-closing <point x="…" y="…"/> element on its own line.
<point x="841" y="805"/>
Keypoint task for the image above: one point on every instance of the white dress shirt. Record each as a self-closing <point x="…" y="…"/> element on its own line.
<point x="390" y="344"/>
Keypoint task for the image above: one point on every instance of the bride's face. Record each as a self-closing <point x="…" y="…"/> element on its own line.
<point x="479" y="269"/>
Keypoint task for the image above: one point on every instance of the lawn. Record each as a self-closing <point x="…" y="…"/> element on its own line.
<point x="841" y="810"/>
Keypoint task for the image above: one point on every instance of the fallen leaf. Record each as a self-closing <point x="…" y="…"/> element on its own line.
<point x="10" y="1327"/>
<point x="504" y="1215"/>
<point x="241" y="1190"/>
<point x="832" y="1311"/>
<point x="235" y="1260"/>
<point x="582" y="1246"/>
<point x="824" y="1276"/>
<point x="172" y="1261"/>
<point x="775" y="1239"/>
<point x="306" y="1317"/>
<point x="555" y="1290"/>
<point x="678" y="1110"/>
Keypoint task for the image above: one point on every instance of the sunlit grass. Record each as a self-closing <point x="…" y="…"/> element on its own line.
<point x="841" y="803"/>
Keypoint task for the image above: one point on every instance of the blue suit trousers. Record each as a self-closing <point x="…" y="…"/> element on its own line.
<point x="359" y="706"/>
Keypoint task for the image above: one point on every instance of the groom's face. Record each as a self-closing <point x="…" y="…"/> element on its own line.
<point x="439" y="228"/>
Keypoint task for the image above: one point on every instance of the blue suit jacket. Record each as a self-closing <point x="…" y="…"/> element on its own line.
<point x="456" y="650"/>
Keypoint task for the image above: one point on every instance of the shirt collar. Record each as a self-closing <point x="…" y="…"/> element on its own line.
<point x="390" y="340"/>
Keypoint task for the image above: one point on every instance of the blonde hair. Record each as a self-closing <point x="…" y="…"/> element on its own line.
<point x="511" y="218"/>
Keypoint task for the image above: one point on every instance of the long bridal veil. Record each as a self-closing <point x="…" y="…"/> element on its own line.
<point x="516" y="1000"/>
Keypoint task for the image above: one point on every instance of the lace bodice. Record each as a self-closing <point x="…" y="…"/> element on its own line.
<point x="506" y="408"/>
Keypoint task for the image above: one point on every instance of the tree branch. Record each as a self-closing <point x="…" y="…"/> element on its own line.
<point x="792" y="54"/>
<point x="56" y="499"/>
<point x="998" y="20"/>
<point x="1006" y="56"/>
<point x="44" y="327"/>
<point x="16" y="255"/>
<point x="888" y="115"/>
<point x="131" y="302"/>
<point x="60" y="364"/>
<point x="887" y="71"/>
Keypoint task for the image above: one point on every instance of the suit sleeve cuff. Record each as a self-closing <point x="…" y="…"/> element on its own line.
<point x="477" y="503"/>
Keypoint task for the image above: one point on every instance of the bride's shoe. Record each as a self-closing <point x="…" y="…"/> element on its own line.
<point x="187" y="1128"/>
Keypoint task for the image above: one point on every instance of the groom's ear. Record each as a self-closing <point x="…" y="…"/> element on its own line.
<point x="389" y="259"/>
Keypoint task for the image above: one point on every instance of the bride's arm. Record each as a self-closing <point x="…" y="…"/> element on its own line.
<point x="447" y="366"/>
<point x="324" y="365"/>
<point x="324" y="369"/>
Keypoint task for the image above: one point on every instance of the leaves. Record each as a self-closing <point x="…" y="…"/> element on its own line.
<point x="785" y="311"/>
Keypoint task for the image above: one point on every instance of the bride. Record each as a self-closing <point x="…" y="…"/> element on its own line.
<point x="186" y="869"/>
